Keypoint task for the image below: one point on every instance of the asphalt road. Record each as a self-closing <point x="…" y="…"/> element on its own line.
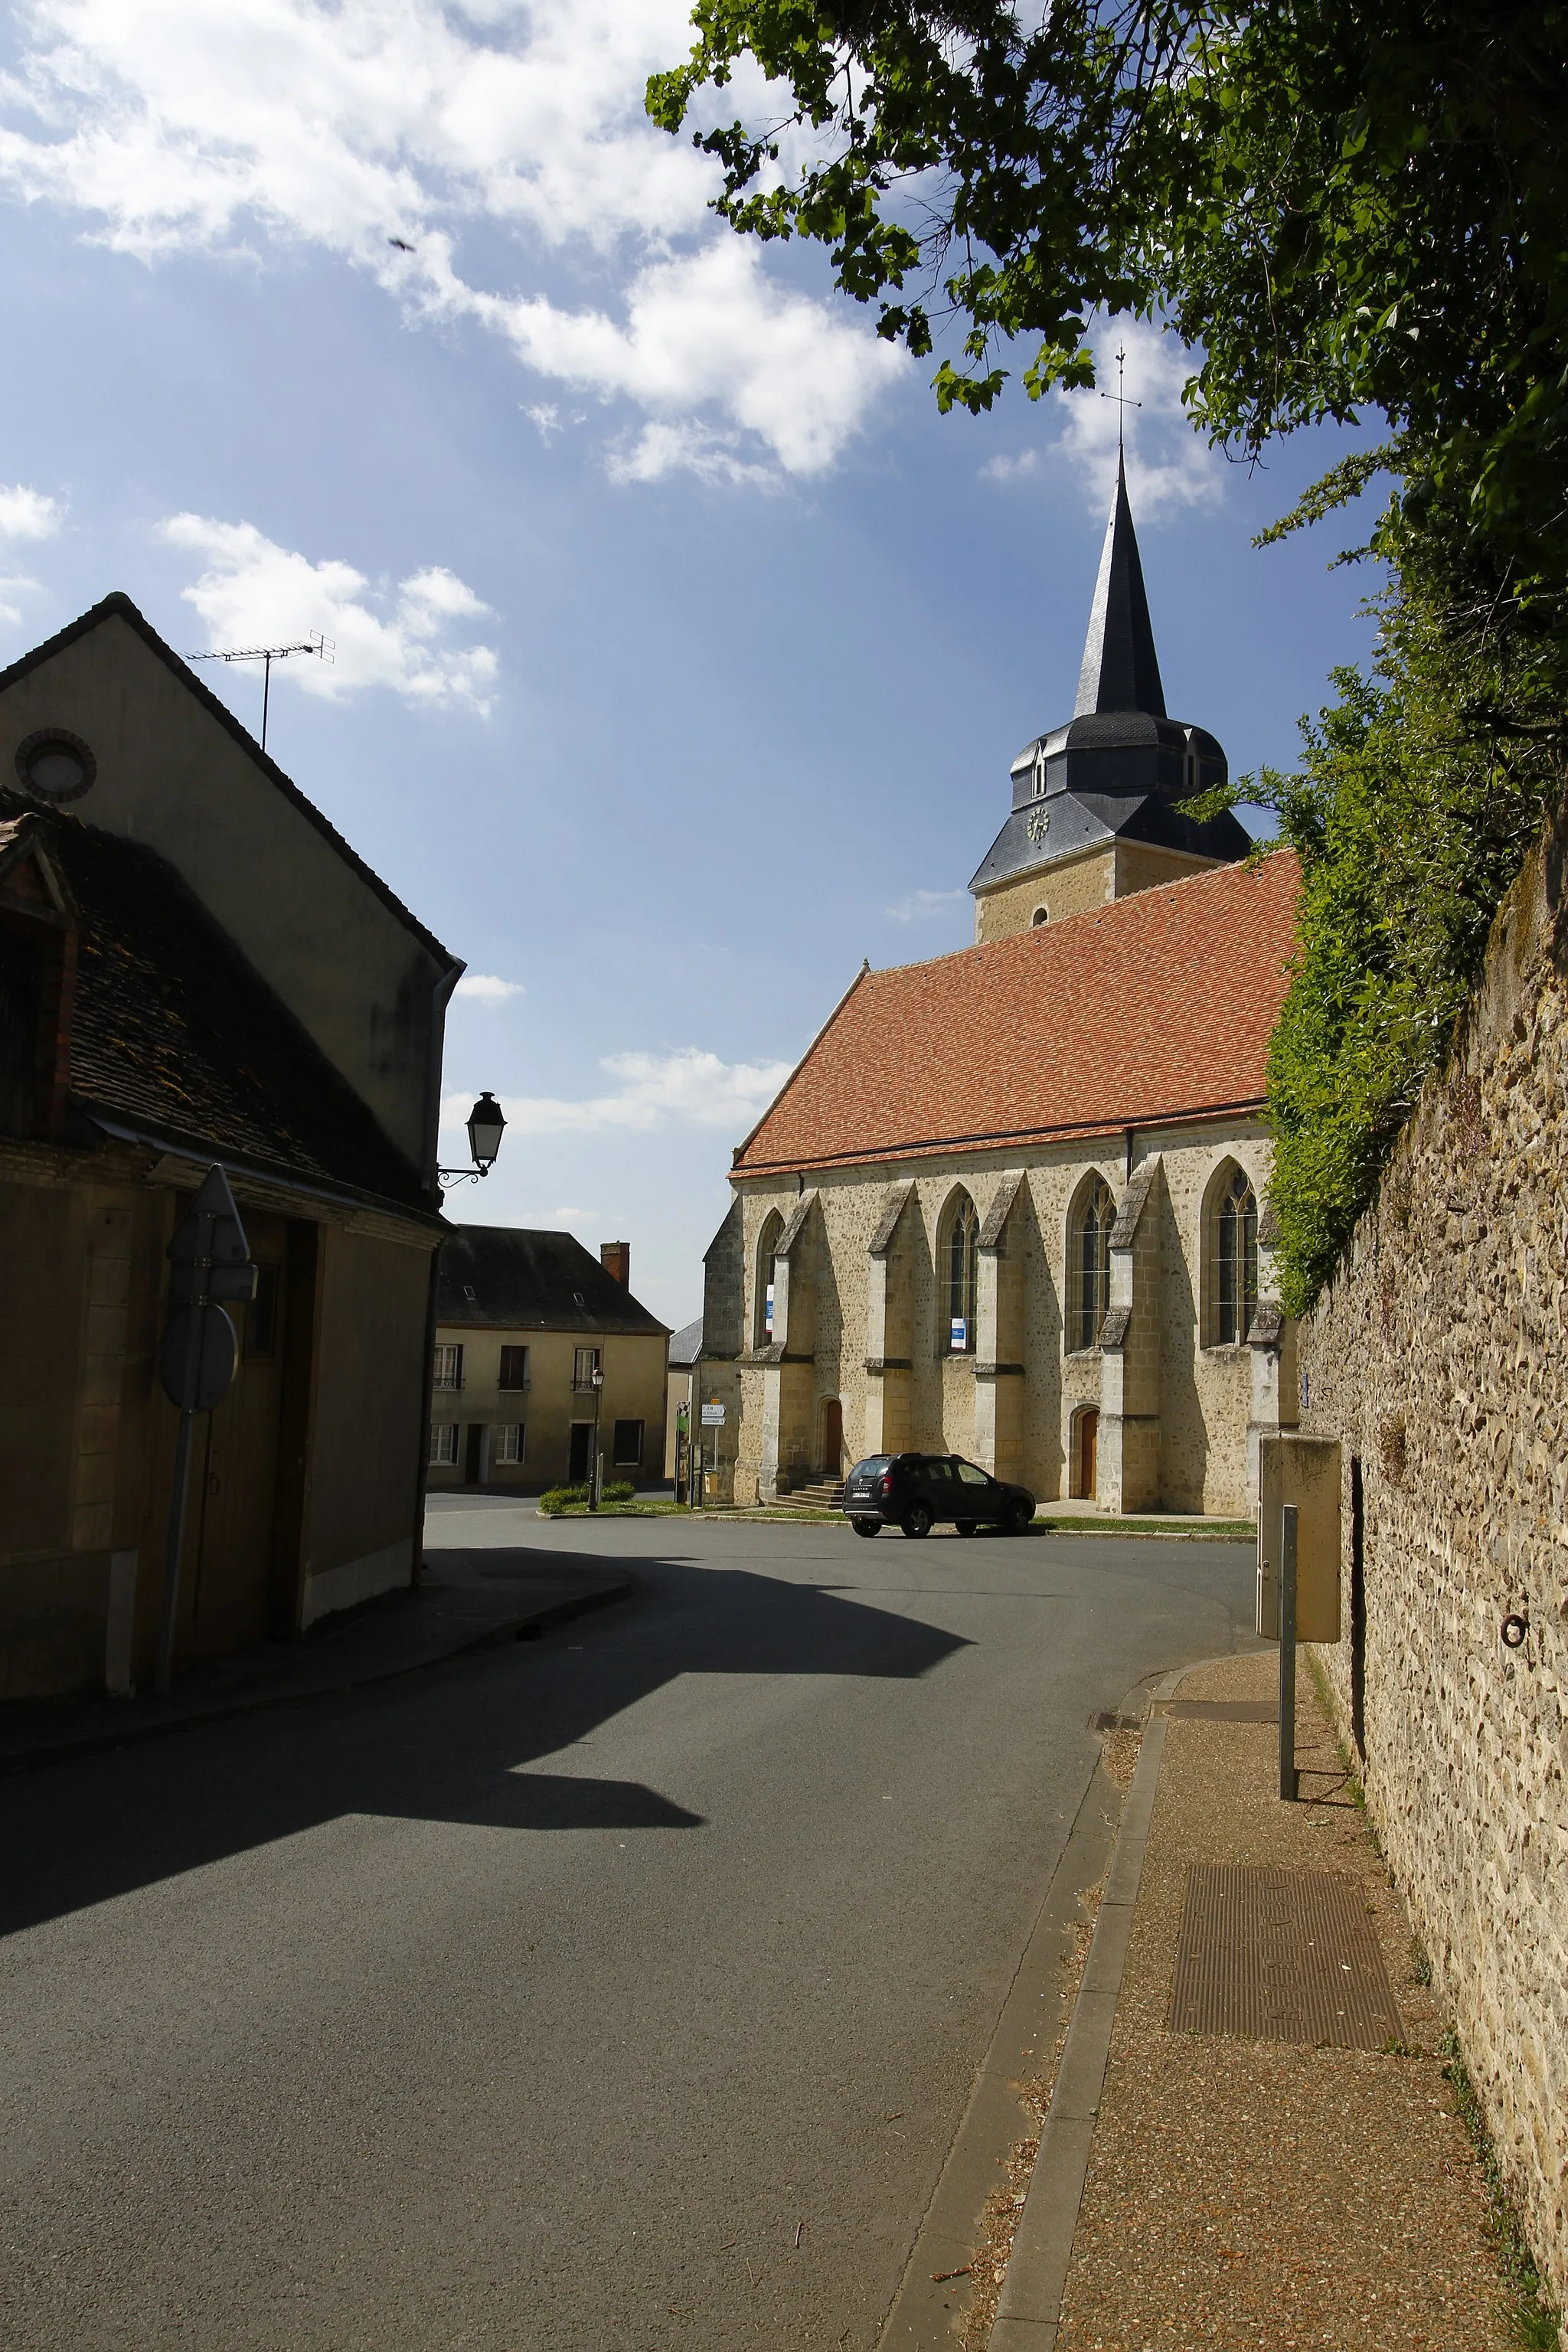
<point x="542" y="2001"/>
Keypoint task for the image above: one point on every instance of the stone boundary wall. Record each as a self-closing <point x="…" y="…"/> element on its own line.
<point x="1440" y="1357"/>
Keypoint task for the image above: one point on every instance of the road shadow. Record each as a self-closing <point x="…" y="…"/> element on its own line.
<point x="450" y="1744"/>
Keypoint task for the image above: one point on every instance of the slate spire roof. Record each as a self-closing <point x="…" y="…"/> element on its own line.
<point x="1120" y="768"/>
<point x="1120" y="668"/>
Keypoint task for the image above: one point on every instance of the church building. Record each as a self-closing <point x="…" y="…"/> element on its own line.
<point x="1011" y="1202"/>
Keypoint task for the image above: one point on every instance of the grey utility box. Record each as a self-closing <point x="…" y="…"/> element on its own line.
<point x="1304" y="1471"/>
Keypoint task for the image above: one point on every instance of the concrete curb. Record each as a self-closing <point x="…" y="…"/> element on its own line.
<point x="1030" y="2311"/>
<point x="131" y="1731"/>
<point x="920" y="2316"/>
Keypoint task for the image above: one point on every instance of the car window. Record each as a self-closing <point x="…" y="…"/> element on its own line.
<point x="873" y="1464"/>
<point x="937" y="1466"/>
<point x="969" y="1475"/>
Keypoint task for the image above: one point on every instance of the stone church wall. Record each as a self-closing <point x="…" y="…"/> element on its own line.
<point x="1438" y="1357"/>
<point x="1076" y="887"/>
<point x="1205" y="1393"/>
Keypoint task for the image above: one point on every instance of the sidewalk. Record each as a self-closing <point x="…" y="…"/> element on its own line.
<point x="466" y="1600"/>
<point x="1274" y="2158"/>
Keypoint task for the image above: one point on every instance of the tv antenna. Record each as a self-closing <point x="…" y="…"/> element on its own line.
<point x="323" y="648"/>
<point x="1122" y="403"/>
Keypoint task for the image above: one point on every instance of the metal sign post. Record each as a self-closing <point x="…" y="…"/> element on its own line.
<point x="209" y="1260"/>
<point x="1288" y="1778"/>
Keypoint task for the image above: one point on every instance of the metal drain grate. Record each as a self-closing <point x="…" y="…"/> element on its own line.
<point x="1280" y="1956"/>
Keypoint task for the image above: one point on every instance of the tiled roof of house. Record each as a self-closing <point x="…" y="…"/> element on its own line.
<point x="1154" y="1009"/>
<point x="175" y="1034"/>
<point x="517" y="1278"/>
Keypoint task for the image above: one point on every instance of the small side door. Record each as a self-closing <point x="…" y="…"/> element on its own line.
<point x="979" y="1495"/>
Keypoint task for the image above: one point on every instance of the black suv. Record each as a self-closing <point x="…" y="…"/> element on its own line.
<point x="912" y="1491"/>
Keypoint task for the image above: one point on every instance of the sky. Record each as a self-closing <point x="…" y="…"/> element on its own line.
<point x="679" y="648"/>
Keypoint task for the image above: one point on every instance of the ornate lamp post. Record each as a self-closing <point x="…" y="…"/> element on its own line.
<point x="487" y="1125"/>
<point x="597" y="1376"/>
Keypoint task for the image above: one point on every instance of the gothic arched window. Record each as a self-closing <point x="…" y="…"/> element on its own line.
<point x="1233" y="1257"/>
<point x="961" y="1261"/>
<point x="763" y="1290"/>
<point x="1088" y="1263"/>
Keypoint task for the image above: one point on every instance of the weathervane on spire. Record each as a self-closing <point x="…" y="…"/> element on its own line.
<point x="1122" y="403"/>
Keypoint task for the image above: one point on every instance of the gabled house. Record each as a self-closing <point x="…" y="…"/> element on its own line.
<point x="543" y="1361"/>
<point x="195" y="967"/>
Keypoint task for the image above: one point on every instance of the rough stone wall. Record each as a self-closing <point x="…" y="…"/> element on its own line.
<point x="1438" y="1357"/>
<point x="1142" y="865"/>
<point x="1075" y="887"/>
<point x="1204" y="1392"/>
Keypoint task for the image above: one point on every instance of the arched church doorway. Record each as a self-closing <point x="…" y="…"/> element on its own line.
<point x="1086" y="1454"/>
<point x="833" y="1439"/>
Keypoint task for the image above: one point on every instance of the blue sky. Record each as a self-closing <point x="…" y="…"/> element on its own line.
<point x="682" y="648"/>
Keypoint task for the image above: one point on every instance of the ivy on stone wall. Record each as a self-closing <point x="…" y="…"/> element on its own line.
<point x="1420" y="792"/>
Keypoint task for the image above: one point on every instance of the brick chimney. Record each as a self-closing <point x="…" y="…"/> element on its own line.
<point x="616" y="1258"/>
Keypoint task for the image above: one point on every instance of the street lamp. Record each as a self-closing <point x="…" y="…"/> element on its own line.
<point x="487" y="1125"/>
<point x="597" y="1376"/>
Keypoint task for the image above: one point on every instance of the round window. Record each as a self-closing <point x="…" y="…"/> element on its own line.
<point x="55" y="764"/>
<point x="1041" y="915"/>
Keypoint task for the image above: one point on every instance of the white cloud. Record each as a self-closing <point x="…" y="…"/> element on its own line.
<point x="25" y="514"/>
<point x="28" y="514"/>
<point x="1011" y="469"/>
<point x="178" y="127"/>
<point x="1168" y="465"/>
<point x="484" y="987"/>
<point x="253" y="592"/>
<point x="684" y="1089"/>
<point x="919" y="904"/>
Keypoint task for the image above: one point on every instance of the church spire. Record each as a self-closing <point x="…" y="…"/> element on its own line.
<point x="1120" y="669"/>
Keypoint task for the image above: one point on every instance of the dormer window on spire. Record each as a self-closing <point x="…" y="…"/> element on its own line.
<point x="1038" y="777"/>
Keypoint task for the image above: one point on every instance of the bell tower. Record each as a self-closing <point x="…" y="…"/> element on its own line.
<point x="1095" y="811"/>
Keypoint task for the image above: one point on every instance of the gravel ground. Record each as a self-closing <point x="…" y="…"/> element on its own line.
<point x="1250" y="2193"/>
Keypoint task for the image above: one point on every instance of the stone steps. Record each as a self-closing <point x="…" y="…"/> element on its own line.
<point x="820" y="1494"/>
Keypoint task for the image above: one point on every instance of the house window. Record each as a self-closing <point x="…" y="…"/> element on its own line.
<point x="1041" y="915"/>
<point x="1232" y="1258"/>
<point x="1089" y="1264"/>
<point x="514" y="1368"/>
<point x="443" y="1444"/>
<point x="585" y="1362"/>
<point x="261" y="1315"/>
<point x="506" y="1441"/>
<point x="963" y="1258"/>
<point x="767" y="1269"/>
<point x="627" y="1454"/>
<point x="448" y="1369"/>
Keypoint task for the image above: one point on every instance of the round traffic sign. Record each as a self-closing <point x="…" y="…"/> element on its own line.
<point x="197" y="1377"/>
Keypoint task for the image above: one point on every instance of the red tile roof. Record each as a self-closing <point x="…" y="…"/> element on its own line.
<point x="1155" y="1009"/>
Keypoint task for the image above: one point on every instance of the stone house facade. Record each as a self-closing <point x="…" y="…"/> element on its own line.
<point x="1438" y="1357"/>
<point x="525" y="1319"/>
<point x="195" y="967"/>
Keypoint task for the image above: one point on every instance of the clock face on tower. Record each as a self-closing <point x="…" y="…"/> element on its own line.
<point x="1039" y="825"/>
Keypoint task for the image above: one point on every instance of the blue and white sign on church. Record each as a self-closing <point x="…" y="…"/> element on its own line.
<point x="960" y="1332"/>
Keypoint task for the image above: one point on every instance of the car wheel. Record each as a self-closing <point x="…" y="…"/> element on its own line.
<point x="867" y="1526"/>
<point x="916" y="1520"/>
<point x="1018" y="1516"/>
<point x="965" y="1527"/>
